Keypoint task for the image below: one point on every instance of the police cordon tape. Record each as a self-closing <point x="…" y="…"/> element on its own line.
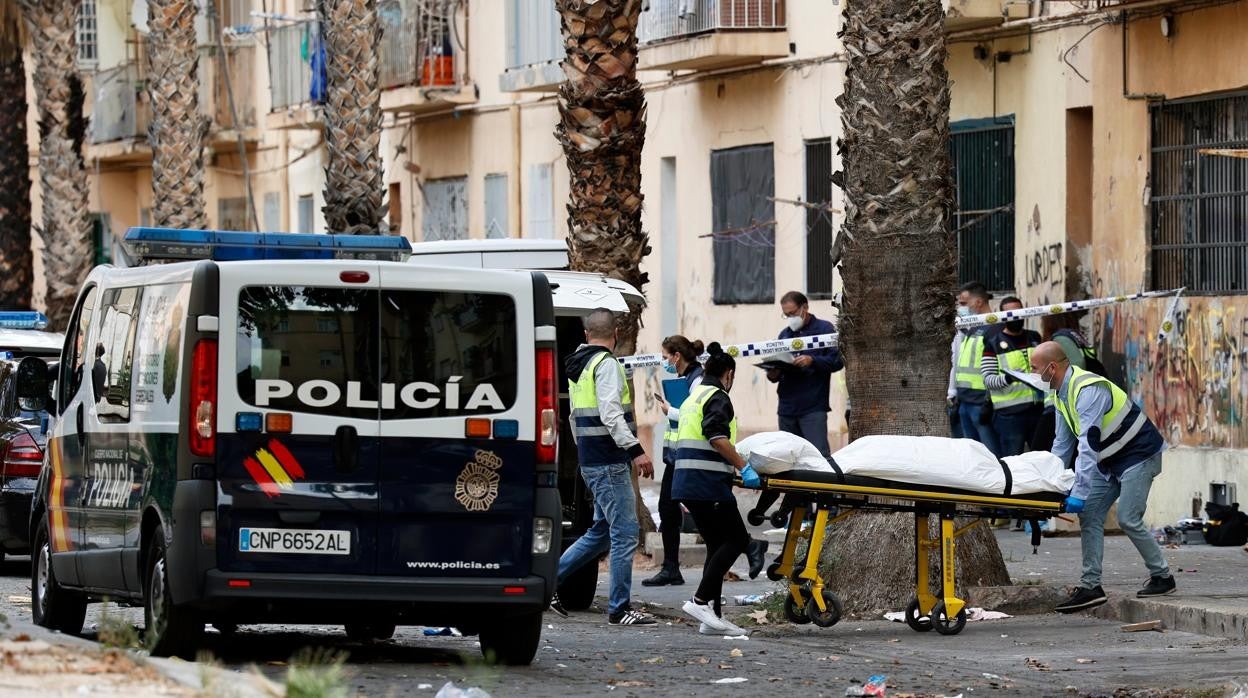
<point x="824" y="341"/>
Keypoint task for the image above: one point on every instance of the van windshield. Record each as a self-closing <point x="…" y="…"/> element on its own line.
<point x="363" y="353"/>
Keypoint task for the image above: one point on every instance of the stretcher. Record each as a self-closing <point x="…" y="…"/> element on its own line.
<point x="830" y="497"/>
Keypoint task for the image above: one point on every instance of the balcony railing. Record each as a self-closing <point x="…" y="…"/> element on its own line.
<point x="533" y="34"/>
<point x="673" y="19"/>
<point x="292" y="49"/>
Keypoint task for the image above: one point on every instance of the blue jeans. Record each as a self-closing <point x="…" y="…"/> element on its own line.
<point x="812" y="426"/>
<point x="615" y="529"/>
<point x="971" y="428"/>
<point x="1131" y="492"/>
<point x="1014" y="430"/>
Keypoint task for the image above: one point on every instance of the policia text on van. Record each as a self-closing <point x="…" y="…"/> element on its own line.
<point x="330" y="438"/>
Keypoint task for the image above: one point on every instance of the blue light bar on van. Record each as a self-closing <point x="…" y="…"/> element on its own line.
<point x="23" y="320"/>
<point x="152" y="244"/>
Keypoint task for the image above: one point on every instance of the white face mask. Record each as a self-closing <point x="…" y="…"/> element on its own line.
<point x="964" y="311"/>
<point x="796" y="323"/>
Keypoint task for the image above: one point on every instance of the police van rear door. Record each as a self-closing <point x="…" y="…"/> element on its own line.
<point x="299" y="396"/>
<point x="457" y="474"/>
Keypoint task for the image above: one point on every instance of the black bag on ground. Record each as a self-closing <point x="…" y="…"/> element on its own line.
<point x="1227" y="525"/>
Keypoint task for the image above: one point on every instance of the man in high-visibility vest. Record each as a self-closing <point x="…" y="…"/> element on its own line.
<point x="1117" y="453"/>
<point x="966" y="384"/>
<point x="607" y="448"/>
<point x="1016" y="406"/>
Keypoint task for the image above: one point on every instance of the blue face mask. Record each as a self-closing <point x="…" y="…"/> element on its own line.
<point x="669" y="367"/>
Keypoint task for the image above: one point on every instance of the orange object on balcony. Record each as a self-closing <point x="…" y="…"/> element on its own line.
<point x="438" y="68"/>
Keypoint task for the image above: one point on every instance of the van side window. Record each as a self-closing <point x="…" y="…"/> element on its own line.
<point x="114" y="350"/>
<point x="76" y="359"/>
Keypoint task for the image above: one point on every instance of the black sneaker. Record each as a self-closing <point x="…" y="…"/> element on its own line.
<point x="666" y="576"/>
<point x="558" y="607"/>
<point x="628" y="616"/>
<point x="1157" y="586"/>
<point x="756" y="553"/>
<point x="1082" y="599"/>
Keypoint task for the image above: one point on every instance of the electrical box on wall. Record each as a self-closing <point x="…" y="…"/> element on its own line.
<point x="1222" y="493"/>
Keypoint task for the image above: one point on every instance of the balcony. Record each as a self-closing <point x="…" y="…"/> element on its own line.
<point x="534" y="47"/>
<point x="422" y="67"/>
<point x="121" y="111"/>
<point x="962" y="15"/>
<point x="711" y="34"/>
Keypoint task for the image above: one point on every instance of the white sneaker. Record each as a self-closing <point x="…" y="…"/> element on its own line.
<point x="733" y="630"/>
<point x="707" y="615"/>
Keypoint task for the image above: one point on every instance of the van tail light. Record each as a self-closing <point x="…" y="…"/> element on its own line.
<point x="23" y="458"/>
<point x="547" y="406"/>
<point x="203" y="403"/>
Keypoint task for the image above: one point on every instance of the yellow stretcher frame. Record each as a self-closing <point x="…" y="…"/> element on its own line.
<point x="810" y="601"/>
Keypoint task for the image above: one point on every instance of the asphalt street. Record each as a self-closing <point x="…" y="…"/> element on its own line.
<point x="1026" y="656"/>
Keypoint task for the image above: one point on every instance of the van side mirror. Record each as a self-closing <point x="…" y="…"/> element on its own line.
<point x="32" y="384"/>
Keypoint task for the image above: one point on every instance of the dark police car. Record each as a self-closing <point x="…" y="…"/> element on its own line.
<point x="294" y="429"/>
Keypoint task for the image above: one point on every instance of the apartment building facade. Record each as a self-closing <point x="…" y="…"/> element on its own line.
<point x="1097" y="147"/>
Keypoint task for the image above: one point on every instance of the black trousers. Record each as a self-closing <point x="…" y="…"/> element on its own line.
<point x="726" y="539"/>
<point x="1046" y="431"/>
<point x="671" y="520"/>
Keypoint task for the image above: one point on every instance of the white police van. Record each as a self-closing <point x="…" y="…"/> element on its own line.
<point x="302" y="429"/>
<point x="574" y="295"/>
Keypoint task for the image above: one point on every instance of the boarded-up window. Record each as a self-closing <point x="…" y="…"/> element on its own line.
<point x="232" y="213"/>
<point x="541" y="202"/>
<point x="496" y="206"/>
<point x="1199" y="202"/>
<point x="982" y="156"/>
<point x="446" y="209"/>
<point x="819" y="220"/>
<point x="743" y="182"/>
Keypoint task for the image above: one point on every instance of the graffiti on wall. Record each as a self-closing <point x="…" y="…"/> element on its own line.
<point x="1194" y="385"/>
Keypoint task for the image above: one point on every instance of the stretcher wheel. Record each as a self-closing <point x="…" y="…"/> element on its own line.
<point x="756" y="518"/>
<point x="944" y="625"/>
<point x="773" y="572"/>
<point x="828" y="618"/>
<point x="794" y="612"/>
<point x="779" y="518"/>
<point x="916" y="620"/>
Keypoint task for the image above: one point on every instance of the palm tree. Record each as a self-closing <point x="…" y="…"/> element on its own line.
<point x="354" y="188"/>
<point x="602" y="129"/>
<point x="66" y="228"/>
<point x="899" y="272"/>
<point x="16" y="260"/>
<point x="178" y="127"/>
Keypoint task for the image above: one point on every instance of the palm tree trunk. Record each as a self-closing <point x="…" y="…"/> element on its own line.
<point x="16" y="260"/>
<point x="66" y="228"/>
<point x="602" y="128"/>
<point x="899" y="272"/>
<point x="178" y="127"/>
<point x="354" y="190"/>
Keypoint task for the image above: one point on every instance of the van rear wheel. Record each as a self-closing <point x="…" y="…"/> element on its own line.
<point x="169" y="629"/>
<point x="52" y="606"/>
<point x="577" y="591"/>
<point x="514" y="641"/>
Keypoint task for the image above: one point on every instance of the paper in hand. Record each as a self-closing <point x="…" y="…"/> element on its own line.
<point x="776" y="361"/>
<point x="1029" y="379"/>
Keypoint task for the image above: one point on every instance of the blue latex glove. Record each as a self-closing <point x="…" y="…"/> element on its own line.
<point x="750" y="478"/>
<point x="1074" y="505"/>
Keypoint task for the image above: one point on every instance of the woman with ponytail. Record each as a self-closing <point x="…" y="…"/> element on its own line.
<point x="706" y="461"/>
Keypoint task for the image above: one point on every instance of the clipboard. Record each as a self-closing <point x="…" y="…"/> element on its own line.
<point x="782" y="361"/>
<point x="675" y="391"/>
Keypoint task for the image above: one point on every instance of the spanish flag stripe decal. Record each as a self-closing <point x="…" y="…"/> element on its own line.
<point x="60" y="521"/>
<point x="286" y="459"/>
<point x="261" y="477"/>
<point x="275" y="469"/>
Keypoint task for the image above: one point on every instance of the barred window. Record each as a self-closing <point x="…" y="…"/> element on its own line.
<point x="1199" y="201"/>
<point x="88" y="33"/>
<point x="982" y="156"/>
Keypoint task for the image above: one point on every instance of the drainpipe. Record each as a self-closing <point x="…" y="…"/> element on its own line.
<point x="516" y="204"/>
